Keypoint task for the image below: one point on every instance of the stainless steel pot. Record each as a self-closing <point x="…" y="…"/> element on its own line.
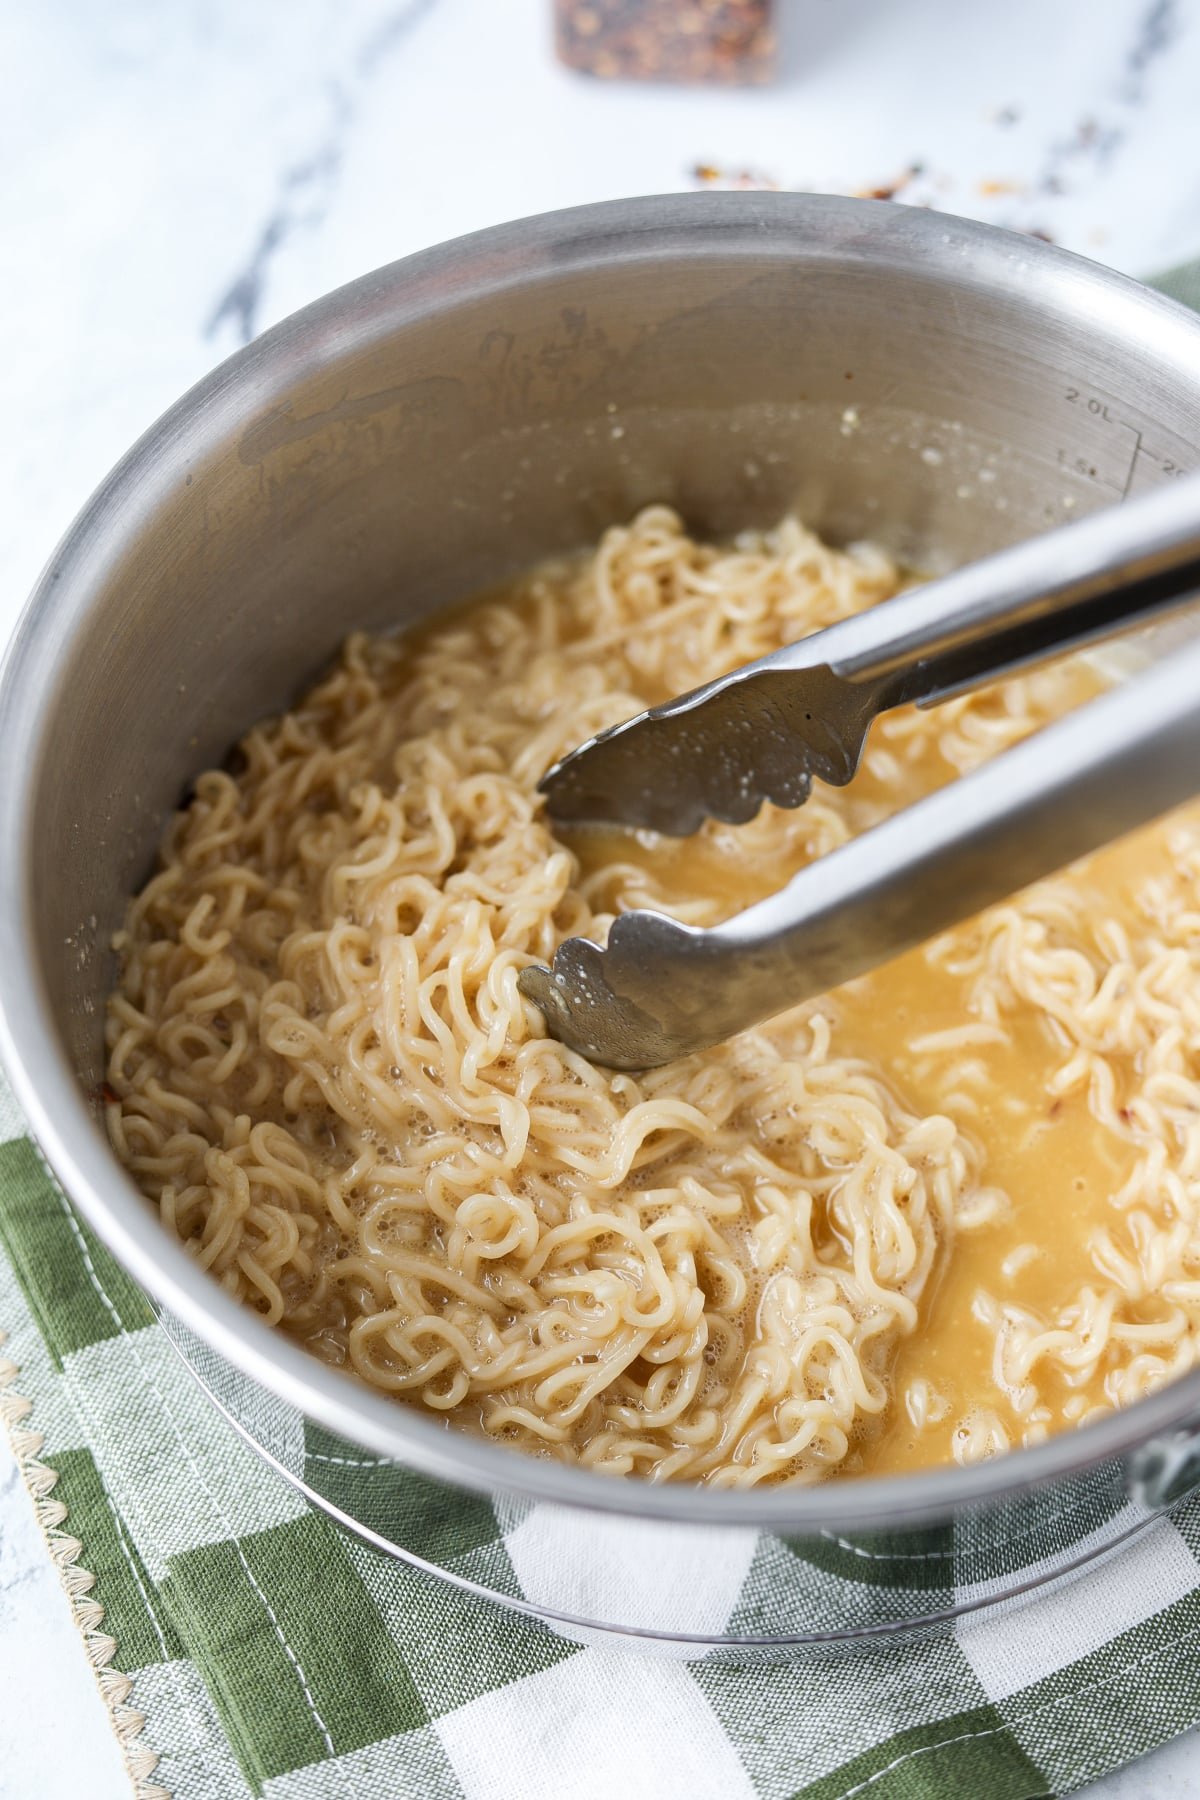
<point x="934" y="385"/>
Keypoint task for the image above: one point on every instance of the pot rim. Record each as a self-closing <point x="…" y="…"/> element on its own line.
<point x="665" y="229"/>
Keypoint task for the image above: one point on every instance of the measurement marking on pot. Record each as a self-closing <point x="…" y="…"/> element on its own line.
<point x="1113" y="463"/>
<point x="1137" y="451"/>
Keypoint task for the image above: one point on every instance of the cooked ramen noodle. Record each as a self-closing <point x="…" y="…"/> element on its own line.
<point x="950" y="1208"/>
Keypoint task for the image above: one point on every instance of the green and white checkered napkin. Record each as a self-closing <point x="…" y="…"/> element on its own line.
<point x="248" y="1646"/>
<point x="268" y="1652"/>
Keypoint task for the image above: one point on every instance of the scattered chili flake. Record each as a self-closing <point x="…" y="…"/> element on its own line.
<point x="888" y="190"/>
<point x="737" y="180"/>
<point x="107" y="1093"/>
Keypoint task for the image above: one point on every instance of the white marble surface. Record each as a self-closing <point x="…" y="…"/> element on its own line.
<point x="178" y="175"/>
<point x="55" y="1738"/>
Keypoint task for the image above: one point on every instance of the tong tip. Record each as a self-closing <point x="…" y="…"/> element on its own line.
<point x="591" y="997"/>
<point x="716" y="754"/>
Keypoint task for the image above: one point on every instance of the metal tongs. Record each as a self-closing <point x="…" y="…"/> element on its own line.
<point x="659" y="989"/>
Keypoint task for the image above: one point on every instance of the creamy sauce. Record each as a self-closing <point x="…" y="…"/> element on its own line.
<point x="1057" y="1164"/>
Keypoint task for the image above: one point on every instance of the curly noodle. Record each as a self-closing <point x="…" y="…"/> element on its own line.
<point x="328" y="1081"/>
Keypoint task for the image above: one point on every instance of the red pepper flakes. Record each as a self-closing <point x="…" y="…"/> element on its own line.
<point x="736" y="180"/>
<point x="890" y="190"/>
<point x="724" y="41"/>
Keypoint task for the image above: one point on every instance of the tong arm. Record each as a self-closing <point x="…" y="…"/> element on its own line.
<point x="660" y="990"/>
<point x="764" y="731"/>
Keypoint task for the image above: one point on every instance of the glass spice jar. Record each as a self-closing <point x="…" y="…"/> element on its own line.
<point x="725" y="41"/>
